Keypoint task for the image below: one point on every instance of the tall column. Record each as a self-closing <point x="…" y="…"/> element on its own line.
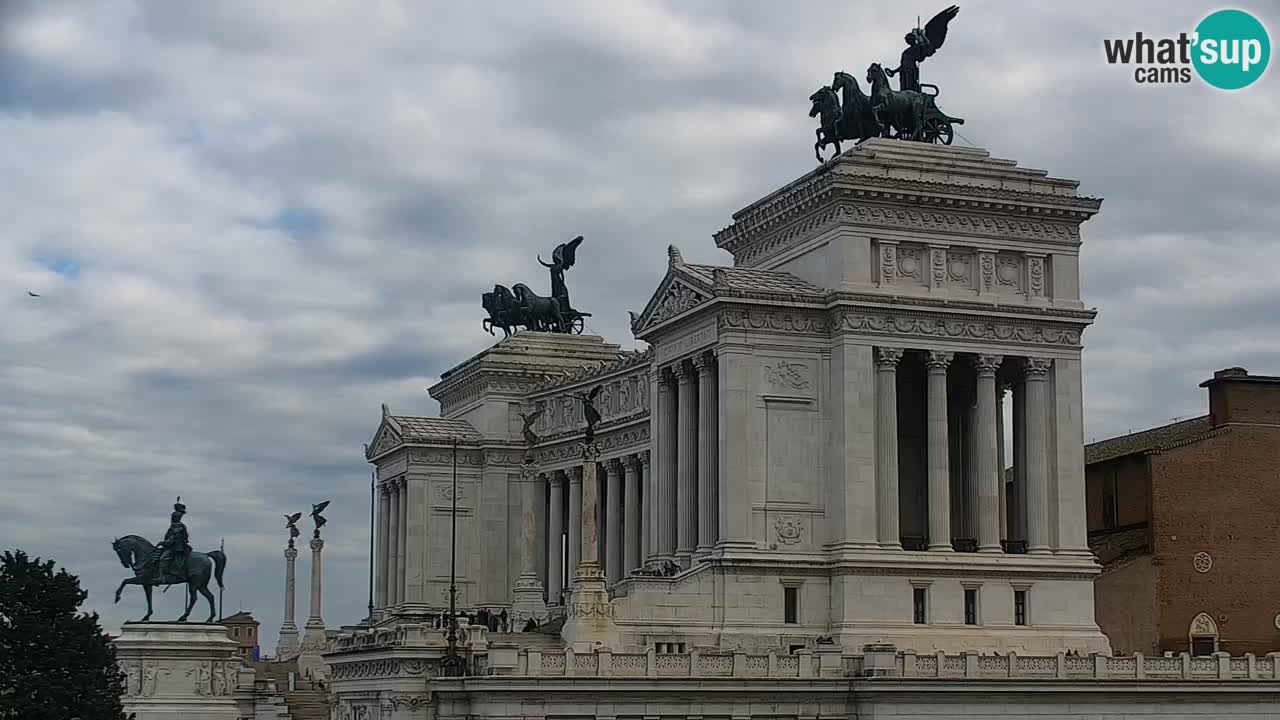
<point x="393" y="543"/>
<point x="1018" y="491"/>
<point x="668" y="472"/>
<point x="589" y="614"/>
<point x="288" y="641"/>
<point x="939" y="461"/>
<point x="613" y="522"/>
<point x="555" y="539"/>
<point x="588" y="485"/>
<point x="707" y="450"/>
<point x="646" y="509"/>
<point x="988" y="477"/>
<point x="687" y="462"/>
<point x="1037" y="432"/>
<point x="527" y="599"/>
<point x="969" y="503"/>
<point x="314" y="620"/>
<point x="575" y="520"/>
<point x="887" y="447"/>
<point x="384" y="518"/>
<point x="1002" y="501"/>
<point x="402" y="554"/>
<point x="631" y="515"/>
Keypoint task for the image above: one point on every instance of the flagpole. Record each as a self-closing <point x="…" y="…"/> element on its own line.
<point x="453" y="665"/>
<point x="372" y="479"/>
<point x="222" y="547"/>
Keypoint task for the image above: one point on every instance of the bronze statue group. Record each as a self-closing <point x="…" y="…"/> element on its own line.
<point x="844" y="112"/>
<point x="520" y="307"/>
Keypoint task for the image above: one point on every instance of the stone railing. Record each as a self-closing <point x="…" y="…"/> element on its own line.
<point x="834" y="663"/>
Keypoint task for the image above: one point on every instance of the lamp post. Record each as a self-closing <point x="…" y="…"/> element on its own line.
<point x="372" y="501"/>
<point x="454" y="665"/>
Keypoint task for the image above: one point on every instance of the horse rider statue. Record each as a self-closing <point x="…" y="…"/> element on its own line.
<point x="175" y="548"/>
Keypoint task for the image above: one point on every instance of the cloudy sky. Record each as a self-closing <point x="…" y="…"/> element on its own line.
<point x="251" y="223"/>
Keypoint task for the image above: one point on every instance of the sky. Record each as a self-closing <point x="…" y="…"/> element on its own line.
<point x="251" y="223"/>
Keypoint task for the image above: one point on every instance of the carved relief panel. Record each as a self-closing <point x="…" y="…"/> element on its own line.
<point x="960" y="269"/>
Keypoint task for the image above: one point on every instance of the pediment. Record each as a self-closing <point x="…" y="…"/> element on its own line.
<point x="388" y="436"/>
<point x="678" y="293"/>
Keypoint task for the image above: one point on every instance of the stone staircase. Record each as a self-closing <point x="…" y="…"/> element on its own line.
<point x="307" y="703"/>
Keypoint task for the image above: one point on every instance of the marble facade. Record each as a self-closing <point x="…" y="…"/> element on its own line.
<point x="822" y="421"/>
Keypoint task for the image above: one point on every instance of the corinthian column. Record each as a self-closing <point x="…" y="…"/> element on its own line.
<point x="988" y="474"/>
<point x="613" y="521"/>
<point x="393" y="545"/>
<point x="402" y="581"/>
<point x="887" y="447"/>
<point x="315" y="620"/>
<point x="939" y="462"/>
<point x="687" y="462"/>
<point x="631" y="515"/>
<point x="288" y="641"/>
<point x="1037" y="433"/>
<point x="555" y="539"/>
<point x="575" y="521"/>
<point x="384" y="518"/>
<point x="665" y="471"/>
<point x="707" y="449"/>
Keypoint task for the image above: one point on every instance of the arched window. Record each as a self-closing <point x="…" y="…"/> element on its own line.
<point x="1203" y="635"/>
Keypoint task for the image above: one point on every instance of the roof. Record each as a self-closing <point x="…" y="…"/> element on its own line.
<point x="735" y="278"/>
<point x="1154" y="440"/>
<point x="244" y="617"/>
<point x="414" y="428"/>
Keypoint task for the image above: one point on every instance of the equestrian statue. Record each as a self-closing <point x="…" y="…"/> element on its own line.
<point x="171" y="562"/>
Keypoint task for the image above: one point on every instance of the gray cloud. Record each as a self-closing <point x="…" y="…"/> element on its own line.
<point x="285" y="215"/>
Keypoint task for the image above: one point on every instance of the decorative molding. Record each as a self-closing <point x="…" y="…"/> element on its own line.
<point x="1036" y="367"/>
<point x="788" y="529"/>
<point x="938" y="360"/>
<point x="987" y="271"/>
<point x="678" y="299"/>
<point x="1035" y="276"/>
<point x="789" y="322"/>
<point x="937" y="267"/>
<point x="976" y="329"/>
<point x="468" y="457"/>
<point x="1202" y="624"/>
<point x="787" y="375"/>
<point x="1202" y="562"/>
<point x="987" y="364"/>
<point x="909" y="262"/>
<point x="1008" y="270"/>
<point x="888" y="358"/>
<point x="888" y="261"/>
<point x="958" y="267"/>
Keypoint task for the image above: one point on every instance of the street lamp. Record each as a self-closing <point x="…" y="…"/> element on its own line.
<point x="454" y="664"/>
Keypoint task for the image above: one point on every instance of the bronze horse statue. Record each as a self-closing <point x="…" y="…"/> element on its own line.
<point x="903" y="110"/>
<point x="826" y="107"/>
<point x="857" y="122"/>
<point x="504" y="310"/>
<point x="139" y="555"/>
<point x="539" y="313"/>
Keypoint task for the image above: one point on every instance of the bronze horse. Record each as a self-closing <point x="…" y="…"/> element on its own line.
<point x="139" y="555"/>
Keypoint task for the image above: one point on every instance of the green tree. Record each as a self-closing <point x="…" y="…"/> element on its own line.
<point x="55" y="662"/>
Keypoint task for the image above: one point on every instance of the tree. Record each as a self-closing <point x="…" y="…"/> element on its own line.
<point x="55" y="662"/>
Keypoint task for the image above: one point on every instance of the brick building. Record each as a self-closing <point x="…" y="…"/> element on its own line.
<point x="242" y="628"/>
<point x="1185" y="519"/>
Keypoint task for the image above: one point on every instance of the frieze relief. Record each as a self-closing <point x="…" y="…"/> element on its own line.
<point x="749" y="249"/>
<point x="620" y="398"/>
<point x="788" y="377"/>
<point x="635" y="437"/>
<point x="789" y="529"/>
<point x="678" y="299"/>
<point x="933" y="327"/>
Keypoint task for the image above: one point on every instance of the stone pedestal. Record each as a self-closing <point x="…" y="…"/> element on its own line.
<point x="589" y="613"/>
<point x="182" y="671"/>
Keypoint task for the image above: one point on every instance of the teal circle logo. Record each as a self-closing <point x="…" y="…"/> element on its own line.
<point x="1231" y="49"/>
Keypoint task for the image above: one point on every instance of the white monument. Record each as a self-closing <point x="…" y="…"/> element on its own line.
<point x="183" y="671"/>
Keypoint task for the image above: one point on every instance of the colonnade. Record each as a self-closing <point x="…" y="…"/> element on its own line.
<point x="988" y="520"/>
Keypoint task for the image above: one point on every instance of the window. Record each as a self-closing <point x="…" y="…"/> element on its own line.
<point x="919" y="608"/>
<point x="1019" y="607"/>
<point x="970" y="606"/>
<point x="1110" y="506"/>
<point x="1203" y="646"/>
<point x="235" y="632"/>
<point x="793" y="649"/>
<point x="791" y="605"/>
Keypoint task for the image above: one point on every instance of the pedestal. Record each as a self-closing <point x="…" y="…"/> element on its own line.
<point x="589" y="622"/>
<point x="182" y="671"/>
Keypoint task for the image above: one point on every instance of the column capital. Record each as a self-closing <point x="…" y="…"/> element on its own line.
<point x="555" y="478"/>
<point x="704" y="363"/>
<point x="384" y="489"/>
<point x="887" y="358"/>
<point x="613" y="466"/>
<point x="1034" y="367"/>
<point x="939" y="360"/>
<point x="687" y="372"/>
<point x="630" y="462"/>
<point x="644" y="458"/>
<point x="987" y="364"/>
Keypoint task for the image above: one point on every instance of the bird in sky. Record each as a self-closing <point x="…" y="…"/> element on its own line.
<point x="32" y="294"/>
